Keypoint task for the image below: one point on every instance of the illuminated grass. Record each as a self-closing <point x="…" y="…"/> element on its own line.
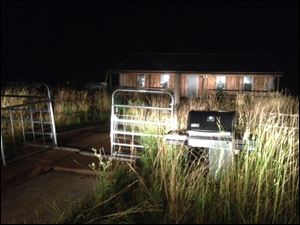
<point x="262" y="186"/>
<point x="79" y="107"/>
<point x="71" y="107"/>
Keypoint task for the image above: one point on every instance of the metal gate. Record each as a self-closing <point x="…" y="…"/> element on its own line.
<point x="27" y="120"/>
<point x="134" y="114"/>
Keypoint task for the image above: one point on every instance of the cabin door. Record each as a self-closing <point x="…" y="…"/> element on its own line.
<point x="192" y="85"/>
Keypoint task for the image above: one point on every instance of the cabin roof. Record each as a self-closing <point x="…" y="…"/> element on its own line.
<point x="194" y="62"/>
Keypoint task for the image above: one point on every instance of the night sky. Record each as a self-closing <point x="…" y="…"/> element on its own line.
<point x="63" y="41"/>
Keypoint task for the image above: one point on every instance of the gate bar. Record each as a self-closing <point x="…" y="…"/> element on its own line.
<point x="115" y="121"/>
<point x="46" y="99"/>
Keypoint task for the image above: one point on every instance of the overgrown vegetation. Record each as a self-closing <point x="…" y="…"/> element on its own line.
<point x="261" y="186"/>
<point x="80" y="107"/>
<point x="72" y="107"/>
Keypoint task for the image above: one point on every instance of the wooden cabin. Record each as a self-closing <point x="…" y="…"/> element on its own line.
<point x="192" y="75"/>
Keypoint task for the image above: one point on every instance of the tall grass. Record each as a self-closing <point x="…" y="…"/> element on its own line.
<point x="78" y="107"/>
<point x="72" y="107"/>
<point x="261" y="186"/>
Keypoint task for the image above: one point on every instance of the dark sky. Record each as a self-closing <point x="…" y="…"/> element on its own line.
<point x="60" y="41"/>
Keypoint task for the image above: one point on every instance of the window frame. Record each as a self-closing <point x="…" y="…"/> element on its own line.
<point x="163" y="81"/>
<point x="220" y="78"/>
<point x="244" y="77"/>
<point x="141" y="80"/>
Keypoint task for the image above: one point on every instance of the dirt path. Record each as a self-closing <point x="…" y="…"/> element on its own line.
<point x="86" y="139"/>
<point x="45" y="198"/>
<point x="34" y="190"/>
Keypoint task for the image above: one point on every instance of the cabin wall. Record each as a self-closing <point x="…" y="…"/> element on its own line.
<point x="200" y="84"/>
<point x="128" y="80"/>
<point x="210" y="82"/>
<point x="206" y="82"/>
<point x="151" y="80"/>
<point x="234" y="83"/>
<point x="271" y="83"/>
<point x="263" y="83"/>
<point x="183" y="85"/>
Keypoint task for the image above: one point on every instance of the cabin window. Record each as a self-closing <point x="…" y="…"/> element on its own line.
<point x="248" y="82"/>
<point x="141" y="80"/>
<point x="164" y="80"/>
<point x="271" y="84"/>
<point x="220" y="82"/>
<point x="192" y="85"/>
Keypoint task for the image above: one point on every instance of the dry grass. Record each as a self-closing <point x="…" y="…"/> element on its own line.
<point x="71" y="106"/>
<point x="261" y="186"/>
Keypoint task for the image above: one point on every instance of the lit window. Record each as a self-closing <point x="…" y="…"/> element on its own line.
<point x="248" y="81"/>
<point x="164" y="80"/>
<point x="220" y="82"/>
<point x="141" y="80"/>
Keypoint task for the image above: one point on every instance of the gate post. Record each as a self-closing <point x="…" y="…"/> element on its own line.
<point x="51" y="115"/>
<point x="2" y="151"/>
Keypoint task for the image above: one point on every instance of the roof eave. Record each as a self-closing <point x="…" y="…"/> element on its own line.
<point x="278" y="74"/>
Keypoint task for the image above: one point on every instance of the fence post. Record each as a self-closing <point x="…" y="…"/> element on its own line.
<point x="2" y="151"/>
<point x="50" y="108"/>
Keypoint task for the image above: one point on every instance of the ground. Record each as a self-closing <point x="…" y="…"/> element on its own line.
<point x="86" y="138"/>
<point x="37" y="189"/>
<point x="32" y="201"/>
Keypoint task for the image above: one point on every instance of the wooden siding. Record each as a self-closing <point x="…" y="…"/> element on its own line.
<point x="151" y="80"/>
<point x="183" y="84"/>
<point x="154" y="80"/>
<point x="234" y="83"/>
<point x="128" y="80"/>
<point x="260" y="83"/>
<point x="200" y="83"/>
<point x="210" y="82"/>
<point x="206" y="82"/>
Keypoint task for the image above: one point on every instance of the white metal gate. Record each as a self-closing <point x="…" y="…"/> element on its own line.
<point x="133" y="114"/>
<point x="26" y="120"/>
